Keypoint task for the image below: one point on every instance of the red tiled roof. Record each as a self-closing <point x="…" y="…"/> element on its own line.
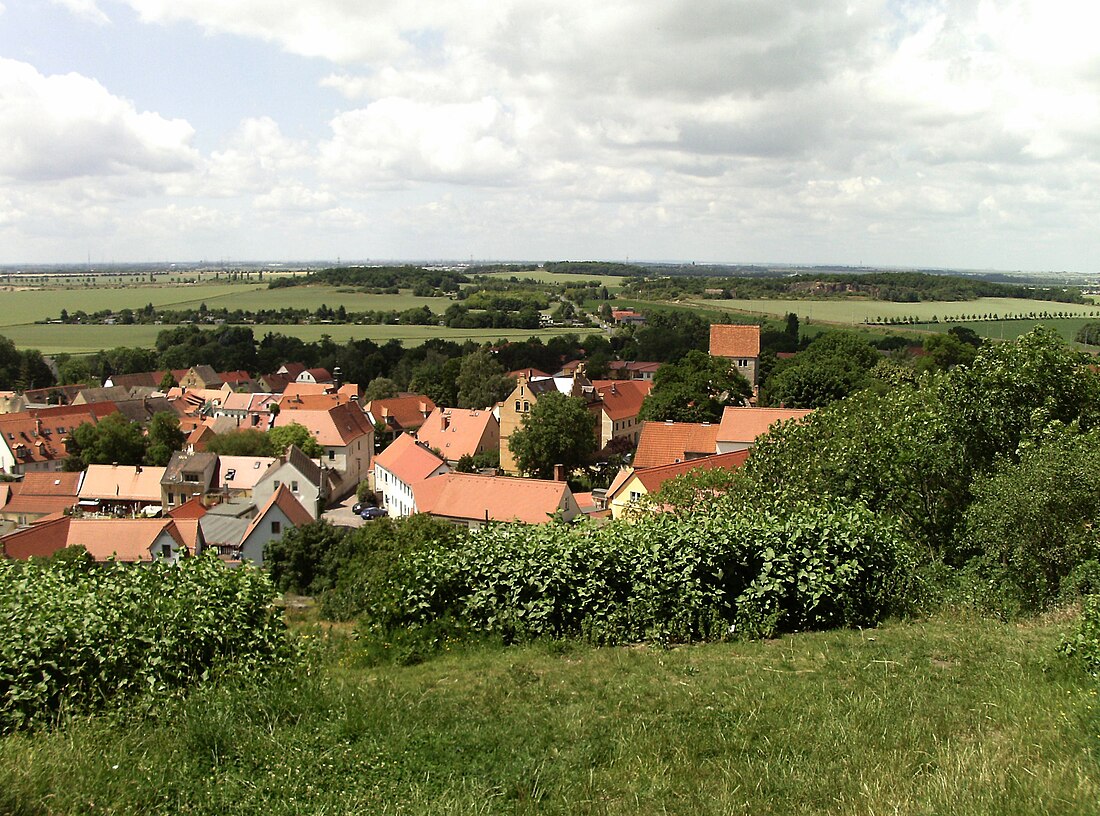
<point x="401" y="413"/>
<point x="335" y="426"/>
<point x="622" y="399"/>
<point x="42" y="493"/>
<point x="663" y="443"/>
<point x="745" y="424"/>
<point x="40" y="432"/>
<point x="302" y="390"/>
<point x="529" y="373"/>
<point x="653" y="478"/>
<point x="408" y="460"/>
<point x="285" y="501"/>
<point x="41" y="540"/>
<point x="734" y="341"/>
<point x="191" y="509"/>
<point x="103" y="538"/>
<point x="122" y="483"/>
<point x="496" y="498"/>
<point x="455" y="432"/>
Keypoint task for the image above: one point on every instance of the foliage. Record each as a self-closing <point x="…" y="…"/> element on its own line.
<point x="283" y="436"/>
<point x="114" y="439"/>
<point x="295" y="559"/>
<point x="558" y="430"/>
<point x="243" y="442"/>
<point x="380" y="388"/>
<point x="695" y="389"/>
<point x="833" y="365"/>
<point x="481" y="381"/>
<point x="1035" y="521"/>
<point x="78" y="636"/>
<point x="1084" y="644"/>
<point x="163" y="438"/>
<point x="1089" y="334"/>
<point x="727" y="571"/>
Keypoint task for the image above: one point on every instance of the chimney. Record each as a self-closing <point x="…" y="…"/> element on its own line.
<point x="559" y="473"/>
<point x="446" y="421"/>
<point x="37" y="426"/>
<point x="137" y="469"/>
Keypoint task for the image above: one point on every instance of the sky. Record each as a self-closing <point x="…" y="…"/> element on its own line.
<point x="911" y="133"/>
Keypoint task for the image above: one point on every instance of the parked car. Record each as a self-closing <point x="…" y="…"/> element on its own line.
<point x="358" y="507"/>
<point x="369" y="513"/>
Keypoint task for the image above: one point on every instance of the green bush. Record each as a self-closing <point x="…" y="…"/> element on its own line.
<point x="1084" y="645"/>
<point x="77" y="636"/>
<point x="728" y="572"/>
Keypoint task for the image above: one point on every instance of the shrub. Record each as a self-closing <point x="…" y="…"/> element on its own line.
<point x="1084" y="645"/>
<point x="78" y="635"/>
<point x="728" y="571"/>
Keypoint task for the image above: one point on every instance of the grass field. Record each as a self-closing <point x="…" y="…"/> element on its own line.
<point x="1011" y="329"/>
<point x="613" y="282"/>
<point x="952" y="716"/>
<point x="858" y="311"/>
<point x="54" y="339"/>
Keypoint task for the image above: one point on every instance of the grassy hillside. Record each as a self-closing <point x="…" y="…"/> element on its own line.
<point x="952" y="716"/>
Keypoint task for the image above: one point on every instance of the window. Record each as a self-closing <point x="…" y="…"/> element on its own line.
<point x="277" y="483"/>
<point x="635" y="496"/>
<point x="294" y="487"/>
<point x="276" y="528"/>
<point x="331" y="454"/>
<point x="165" y="550"/>
<point x="231" y="473"/>
<point x="526" y="406"/>
<point x="517" y="411"/>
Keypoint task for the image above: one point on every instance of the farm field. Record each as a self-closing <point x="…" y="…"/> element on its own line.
<point x="612" y="282"/>
<point x="959" y="716"/>
<point x="55" y="339"/>
<point x="43" y="303"/>
<point x="312" y="297"/>
<point x="858" y="311"/>
<point x="1011" y="329"/>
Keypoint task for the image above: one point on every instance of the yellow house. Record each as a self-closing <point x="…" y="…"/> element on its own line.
<point x="631" y="485"/>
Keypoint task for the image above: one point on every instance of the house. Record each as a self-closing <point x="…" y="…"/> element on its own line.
<point x="306" y="389"/>
<point x="290" y="371"/>
<point x="126" y="540"/>
<point x="529" y="373"/>
<point x="399" y="468"/>
<point x="187" y="474"/>
<point x="280" y="513"/>
<point x="35" y="440"/>
<point x="664" y="443"/>
<point x="307" y="480"/>
<point x="273" y="383"/>
<point x="620" y="403"/>
<point x="112" y="393"/>
<point x="401" y="414"/>
<point x="627" y="317"/>
<point x="458" y="432"/>
<point x="624" y="370"/>
<point x="120" y="488"/>
<point x="526" y="394"/>
<point x="632" y="484"/>
<point x="741" y="426"/>
<point x="740" y="345"/>
<point x="224" y="525"/>
<point x="250" y="409"/>
<point x="11" y="402"/>
<point x="344" y="433"/>
<point x="471" y="500"/>
<point x="239" y="380"/>
<point x="51" y="395"/>
<point x="314" y="375"/>
<point x="202" y="377"/>
<point x="237" y="476"/>
<point x="36" y="496"/>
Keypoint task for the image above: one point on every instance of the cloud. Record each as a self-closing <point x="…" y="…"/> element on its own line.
<point x="85" y="9"/>
<point x="64" y="126"/>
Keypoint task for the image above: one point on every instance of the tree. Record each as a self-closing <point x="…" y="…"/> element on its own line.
<point x="114" y="439"/>
<point x="294" y="434"/>
<point x="247" y="442"/>
<point x="167" y="381"/>
<point x="164" y="438"/>
<point x="696" y="389"/>
<point x="481" y="381"/>
<point x="380" y="388"/>
<point x="436" y="377"/>
<point x="558" y="430"/>
<point x="833" y="366"/>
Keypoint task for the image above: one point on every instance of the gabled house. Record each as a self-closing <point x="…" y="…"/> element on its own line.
<point x="398" y="415"/>
<point x="35" y="440"/>
<point x="188" y="474"/>
<point x="741" y="346"/>
<point x="624" y="370"/>
<point x="458" y="432"/>
<point x="224" y="524"/>
<point x="523" y="398"/>
<point x="307" y="480"/>
<point x="280" y="513"/>
<point x="237" y="476"/>
<point x="399" y="468"/>
<point x="344" y="433"/>
<point x="120" y="488"/>
<point x="666" y="443"/>
<point x="631" y="485"/>
<point x="620" y="403"/>
<point x="202" y="377"/>
<point x="36" y="496"/>
<point x="126" y="540"/>
<point x="471" y="500"/>
<point x="314" y="375"/>
<point x="740" y="426"/>
<point x="250" y="409"/>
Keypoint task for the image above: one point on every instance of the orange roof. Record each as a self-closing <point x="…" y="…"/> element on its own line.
<point x="663" y="443"/>
<point x="42" y="493"/>
<point x="529" y="373"/>
<point x="493" y="498"/>
<point x="401" y="413"/>
<point x="734" y="341"/>
<point x="122" y="483"/>
<point x="335" y="426"/>
<point x="408" y="460"/>
<point x="455" y="432"/>
<point x="745" y="424"/>
<point x="50" y="484"/>
<point x="653" y="478"/>
<point x="190" y="532"/>
<point x="38" y="435"/>
<point x="191" y="509"/>
<point x="40" y="540"/>
<point x="285" y="501"/>
<point x="123" y="539"/>
<point x="242" y="472"/>
<point x="622" y="399"/>
<point x="306" y="389"/>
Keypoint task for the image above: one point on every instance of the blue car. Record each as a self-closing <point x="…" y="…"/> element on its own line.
<point x="369" y="513"/>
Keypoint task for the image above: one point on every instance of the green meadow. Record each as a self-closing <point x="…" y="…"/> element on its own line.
<point x="613" y="282"/>
<point x="947" y="716"/>
<point x="55" y="339"/>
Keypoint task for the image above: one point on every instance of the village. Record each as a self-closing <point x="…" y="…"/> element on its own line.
<point x="392" y="457"/>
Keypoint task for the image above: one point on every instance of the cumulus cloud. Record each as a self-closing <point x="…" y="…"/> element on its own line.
<point x="62" y="126"/>
<point x="86" y="9"/>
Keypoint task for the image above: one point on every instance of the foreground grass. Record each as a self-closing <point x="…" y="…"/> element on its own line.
<point x="959" y="717"/>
